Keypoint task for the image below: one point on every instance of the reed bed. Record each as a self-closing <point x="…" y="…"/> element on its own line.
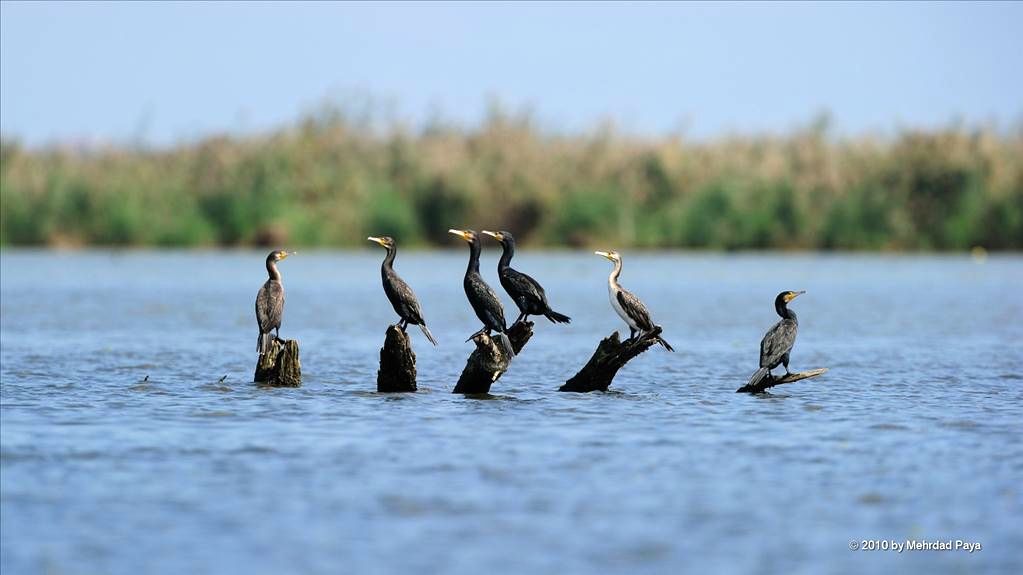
<point x="331" y="181"/>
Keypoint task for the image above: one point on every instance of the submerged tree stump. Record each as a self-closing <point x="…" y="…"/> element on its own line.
<point x="280" y="366"/>
<point x="771" y="381"/>
<point x="397" y="363"/>
<point x="489" y="361"/>
<point x="611" y="354"/>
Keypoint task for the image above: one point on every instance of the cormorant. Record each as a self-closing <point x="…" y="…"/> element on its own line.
<point x="524" y="290"/>
<point x="403" y="300"/>
<point x="627" y="305"/>
<point x="483" y="299"/>
<point x="778" y="342"/>
<point x="270" y="303"/>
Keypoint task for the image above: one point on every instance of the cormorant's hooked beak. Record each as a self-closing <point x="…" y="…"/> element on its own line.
<point x="284" y="254"/>
<point x="496" y="235"/>
<point x="794" y="295"/>
<point x="605" y="254"/>
<point x="460" y="233"/>
<point x="376" y="240"/>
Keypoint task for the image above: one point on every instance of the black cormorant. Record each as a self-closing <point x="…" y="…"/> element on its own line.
<point x="270" y="303"/>
<point x="483" y="299"/>
<point x="778" y="342"/>
<point x="525" y="291"/>
<point x="403" y="300"/>
<point x="627" y="305"/>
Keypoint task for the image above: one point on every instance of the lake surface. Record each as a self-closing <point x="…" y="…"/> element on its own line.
<point x="914" y="433"/>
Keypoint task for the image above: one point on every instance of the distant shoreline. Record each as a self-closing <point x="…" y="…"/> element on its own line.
<point x="328" y="182"/>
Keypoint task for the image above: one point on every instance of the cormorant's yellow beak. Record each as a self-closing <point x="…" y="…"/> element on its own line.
<point x="496" y="235"/>
<point x="284" y="254"/>
<point x="376" y="239"/>
<point x="460" y="233"/>
<point x="604" y="254"/>
<point x="793" y="295"/>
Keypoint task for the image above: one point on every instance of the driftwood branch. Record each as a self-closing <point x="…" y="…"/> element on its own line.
<point x="397" y="362"/>
<point x="611" y="354"/>
<point x="489" y="361"/>
<point x="771" y="381"/>
<point x="280" y="366"/>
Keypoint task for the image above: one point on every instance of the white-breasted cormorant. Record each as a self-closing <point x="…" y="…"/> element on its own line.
<point x="402" y="298"/>
<point x="481" y="296"/>
<point x="627" y="305"/>
<point x="525" y="291"/>
<point x="778" y="342"/>
<point x="270" y="303"/>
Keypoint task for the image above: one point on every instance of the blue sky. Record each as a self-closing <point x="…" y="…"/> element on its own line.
<point x="162" y="73"/>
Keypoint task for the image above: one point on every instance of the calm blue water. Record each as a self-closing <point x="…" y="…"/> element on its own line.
<point x="913" y="434"/>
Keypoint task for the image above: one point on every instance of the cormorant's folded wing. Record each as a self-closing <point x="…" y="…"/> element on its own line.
<point x="269" y="306"/>
<point x="777" y="342"/>
<point x="635" y="309"/>
<point x="523" y="285"/>
<point x="407" y="299"/>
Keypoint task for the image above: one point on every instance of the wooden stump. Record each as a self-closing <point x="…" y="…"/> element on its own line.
<point x="489" y="360"/>
<point x="397" y="363"/>
<point x="611" y="354"/>
<point x="771" y="381"/>
<point x="280" y="366"/>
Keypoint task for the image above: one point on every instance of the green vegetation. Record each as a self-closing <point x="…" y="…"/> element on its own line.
<point x="331" y="181"/>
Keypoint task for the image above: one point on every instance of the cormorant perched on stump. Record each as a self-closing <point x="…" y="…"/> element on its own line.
<point x="627" y="305"/>
<point x="482" y="298"/>
<point x="778" y="342"/>
<point x="525" y="291"/>
<point x="270" y="303"/>
<point x="402" y="298"/>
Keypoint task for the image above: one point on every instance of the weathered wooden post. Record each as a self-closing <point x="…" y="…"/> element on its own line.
<point x="280" y="366"/>
<point x="610" y="356"/>
<point x="397" y="371"/>
<point x="771" y="381"/>
<point x="489" y="361"/>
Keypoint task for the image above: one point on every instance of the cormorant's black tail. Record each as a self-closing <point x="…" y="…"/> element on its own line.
<point x="758" y="376"/>
<point x="664" y="344"/>
<point x="264" y="343"/>
<point x="426" y="332"/>
<point x="556" y="317"/>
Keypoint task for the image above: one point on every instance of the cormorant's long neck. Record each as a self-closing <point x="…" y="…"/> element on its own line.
<point x="783" y="310"/>
<point x="271" y="269"/>
<point x="389" y="258"/>
<point x="474" y="258"/>
<point x="617" y="271"/>
<point x="506" y="255"/>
